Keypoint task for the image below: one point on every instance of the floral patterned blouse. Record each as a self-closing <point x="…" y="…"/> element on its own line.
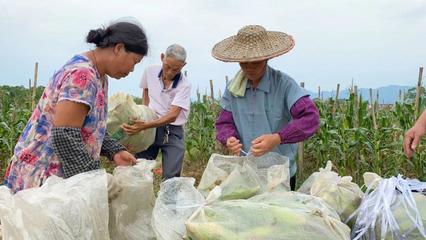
<point x="34" y="159"/>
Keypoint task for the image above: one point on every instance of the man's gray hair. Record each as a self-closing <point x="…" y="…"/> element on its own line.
<point x="176" y="51"/>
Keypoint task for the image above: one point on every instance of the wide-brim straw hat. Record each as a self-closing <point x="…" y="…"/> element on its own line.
<point x="253" y="43"/>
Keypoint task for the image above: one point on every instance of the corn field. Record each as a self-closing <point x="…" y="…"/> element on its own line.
<point x="15" y="110"/>
<point x="355" y="135"/>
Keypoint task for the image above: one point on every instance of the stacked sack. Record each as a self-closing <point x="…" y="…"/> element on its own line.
<point x="68" y="209"/>
<point x="339" y="192"/>
<point x="253" y="201"/>
<point x="131" y="211"/>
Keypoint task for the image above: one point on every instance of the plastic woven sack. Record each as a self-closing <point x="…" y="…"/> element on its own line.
<point x="391" y="210"/>
<point x="269" y="216"/>
<point x="66" y="209"/>
<point x="131" y="212"/>
<point x="176" y="201"/>
<point x="244" y="177"/>
<point x="339" y="192"/>
<point x="123" y="109"/>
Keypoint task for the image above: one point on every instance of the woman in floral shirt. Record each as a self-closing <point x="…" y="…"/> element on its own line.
<point x="66" y="133"/>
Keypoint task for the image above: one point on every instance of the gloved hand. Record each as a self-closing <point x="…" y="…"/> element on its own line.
<point x="114" y="187"/>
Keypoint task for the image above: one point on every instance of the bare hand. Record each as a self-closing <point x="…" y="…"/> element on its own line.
<point x="412" y="138"/>
<point x="234" y="146"/>
<point x="136" y="127"/>
<point x="124" y="158"/>
<point x="264" y="144"/>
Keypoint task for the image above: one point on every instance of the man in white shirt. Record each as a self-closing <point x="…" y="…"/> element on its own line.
<point x="167" y="91"/>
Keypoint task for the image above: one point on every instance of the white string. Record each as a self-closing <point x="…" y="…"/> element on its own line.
<point x="377" y="204"/>
<point x="249" y="153"/>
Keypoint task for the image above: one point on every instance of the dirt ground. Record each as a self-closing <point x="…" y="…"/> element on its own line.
<point x="193" y="169"/>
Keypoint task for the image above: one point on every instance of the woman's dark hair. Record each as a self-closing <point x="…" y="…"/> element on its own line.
<point x="131" y="35"/>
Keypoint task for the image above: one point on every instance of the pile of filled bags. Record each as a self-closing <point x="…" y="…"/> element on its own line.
<point x="78" y="207"/>
<point x="250" y="198"/>
<point x="237" y="198"/>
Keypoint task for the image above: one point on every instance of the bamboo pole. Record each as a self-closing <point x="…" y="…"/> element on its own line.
<point x="418" y="89"/>
<point x="356" y="106"/>
<point x="373" y="111"/>
<point x="400" y="95"/>
<point x="30" y="95"/>
<point x="226" y="80"/>
<point x="336" y="99"/>
<point x="356" y="122"/>
<point x="301" y="148"/>
<point x="211" y="90"/>
<point x="376" y="102"/>
<point x="34" y="86"/>
<point x="198" y="94"/>
<point x="319" y="92"/>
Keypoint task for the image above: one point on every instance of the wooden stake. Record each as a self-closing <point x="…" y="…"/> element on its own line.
<point x="376" y="102"/>
<point x="418" y="89"/>
<point x="355" y="122"/>
<point x="211" y="89"/>
<point x="400" y="95"/>
<point x="336" y="99"/>
<point x="319" y="92"/>
<point x="30" y="95"/>
<point x="34" y="86"/>
<point x="373" y="112"/>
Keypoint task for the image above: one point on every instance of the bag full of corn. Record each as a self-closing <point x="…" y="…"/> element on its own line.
<point x="268" y="216"/>
<point x="244" y="177"/>
<point x="123" y="109"/>
<point x="339" y="192"/>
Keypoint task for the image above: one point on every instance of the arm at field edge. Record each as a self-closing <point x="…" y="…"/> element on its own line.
<point x="225" y="127"/>
<point x="304" y="124"/>
<point x="422" y="119"/>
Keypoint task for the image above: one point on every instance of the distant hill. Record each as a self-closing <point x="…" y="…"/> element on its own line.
<point x="387" y="95"/>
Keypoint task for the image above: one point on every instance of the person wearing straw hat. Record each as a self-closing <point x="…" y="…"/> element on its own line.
<point x="263" y="109"/>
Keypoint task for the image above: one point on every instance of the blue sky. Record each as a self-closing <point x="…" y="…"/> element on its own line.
<point x="374" y="42"/>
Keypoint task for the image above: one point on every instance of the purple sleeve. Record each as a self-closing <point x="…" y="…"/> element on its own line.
<point x="304" y="124"/>
<point x="225" y="127"/>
